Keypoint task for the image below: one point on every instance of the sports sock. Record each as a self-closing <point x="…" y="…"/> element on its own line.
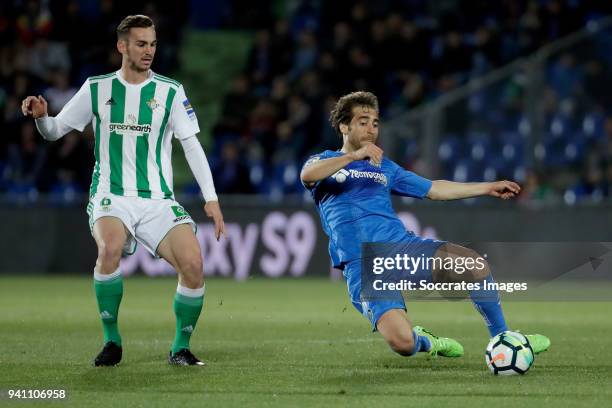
<point x="109" y="291"/>
<point x="487" y="302"/>
<point x="421" y="343"/>
<point x="187" y="307"/>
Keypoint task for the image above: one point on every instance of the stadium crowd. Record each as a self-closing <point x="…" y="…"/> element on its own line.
<point x="302" y="58"/>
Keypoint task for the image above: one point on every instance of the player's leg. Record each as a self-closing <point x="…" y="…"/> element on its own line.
<point x="485" y="300"/>
<point x="181" y="249"/>
<point x="397" y="330"/>
<point x="110" y="235"/>
<point x="388" y="316"/>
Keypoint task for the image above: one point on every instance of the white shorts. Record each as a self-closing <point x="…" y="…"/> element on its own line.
<point x="147" y="220"/>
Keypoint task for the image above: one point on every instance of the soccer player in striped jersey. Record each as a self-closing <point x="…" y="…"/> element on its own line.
<point x="134" y="113"/>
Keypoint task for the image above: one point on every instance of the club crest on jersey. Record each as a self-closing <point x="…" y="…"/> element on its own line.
<point x="152" y="104"/>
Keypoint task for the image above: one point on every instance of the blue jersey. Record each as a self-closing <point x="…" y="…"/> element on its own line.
<point x="355" y="204"/>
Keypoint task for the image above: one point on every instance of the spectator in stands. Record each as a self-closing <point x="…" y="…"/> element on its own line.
<point x="230" y="173"/>
<point x="307" y="53"/>
<point x="26" y="161"/>
<point x="60" y="92"/>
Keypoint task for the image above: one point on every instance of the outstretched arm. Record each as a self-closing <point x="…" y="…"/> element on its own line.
<point x="201" y="171"/>
<point x="450" y="190"/>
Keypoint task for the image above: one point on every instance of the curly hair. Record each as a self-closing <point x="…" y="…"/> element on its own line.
<point x="343" y="110"/>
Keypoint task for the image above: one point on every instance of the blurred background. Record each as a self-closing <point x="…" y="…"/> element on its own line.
<point x="469" y="90"/>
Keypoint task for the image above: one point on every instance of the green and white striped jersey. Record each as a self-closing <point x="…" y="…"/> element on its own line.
<point x="133" y="126"/>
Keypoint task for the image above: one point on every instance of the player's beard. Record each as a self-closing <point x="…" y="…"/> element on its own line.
<point x="357" y="142"/>
<point x="135" y="66"/>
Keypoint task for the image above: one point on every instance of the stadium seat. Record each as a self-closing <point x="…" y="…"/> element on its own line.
<point x="559" y="127"/>
<point x="257" y="174"/>
<point x="512" y="147"/>
<point x="22" y="193"/>
<point x="62" y="194"/>
<point x="466" y="171"/>
<point x="450" y="149"/>
<point x="575" y="148"/>
<point x="480" y="145"/>
<point x="593" y="125"/>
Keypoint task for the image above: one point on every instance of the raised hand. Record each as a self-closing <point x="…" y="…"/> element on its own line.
<point x="369" y="151"/>
<point x="34" y="106"/>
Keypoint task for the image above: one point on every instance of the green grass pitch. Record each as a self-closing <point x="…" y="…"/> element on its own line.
<point x="286" y="343"/>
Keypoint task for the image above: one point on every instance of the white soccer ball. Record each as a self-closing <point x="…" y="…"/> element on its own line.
<point x="509" y="353"/>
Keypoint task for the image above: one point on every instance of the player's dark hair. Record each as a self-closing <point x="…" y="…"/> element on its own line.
<point x="135" y="21"/>
<point x="343" y="110"/>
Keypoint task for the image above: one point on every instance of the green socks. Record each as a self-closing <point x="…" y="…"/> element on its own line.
<point x="187" y="307"/>
<point x="109" y="290"/>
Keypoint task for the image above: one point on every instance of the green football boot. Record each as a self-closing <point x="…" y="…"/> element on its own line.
<point x="539" y="343"/>
<point x="440" y="346"/>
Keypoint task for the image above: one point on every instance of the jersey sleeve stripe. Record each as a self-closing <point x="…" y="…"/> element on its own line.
<point x="99" y="77"/>
<point x="166" y="80"/>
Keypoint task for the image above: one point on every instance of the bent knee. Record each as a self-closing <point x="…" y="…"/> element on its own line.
<point x="474" y="267"/>
<point x="402" y="345"/>
<point x="481" y="268"/>
<point x="191" y="269"/>
<point x="191" y="264"/>
<point x="109" y="252"/>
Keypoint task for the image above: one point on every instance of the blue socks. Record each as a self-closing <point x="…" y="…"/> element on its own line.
<point x="487" y="302"/>
<point x="421" y="343"/>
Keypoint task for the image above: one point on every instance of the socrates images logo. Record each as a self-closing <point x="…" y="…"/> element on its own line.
<point x="341" y="175"/>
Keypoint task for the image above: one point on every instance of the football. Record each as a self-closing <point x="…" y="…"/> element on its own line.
<point x="509" y="353"/>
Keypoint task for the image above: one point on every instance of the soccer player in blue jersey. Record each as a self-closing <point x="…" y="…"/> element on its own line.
<point x="352" y="190"/>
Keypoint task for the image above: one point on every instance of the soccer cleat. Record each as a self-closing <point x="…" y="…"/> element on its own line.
<point x="109" y="356"/>
<point x="539" y="343"/>
<point x="440" y="346"/>
<point x="183" y="357"/>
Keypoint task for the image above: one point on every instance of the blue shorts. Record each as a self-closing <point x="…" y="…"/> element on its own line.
<point x="374" y="309"/>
